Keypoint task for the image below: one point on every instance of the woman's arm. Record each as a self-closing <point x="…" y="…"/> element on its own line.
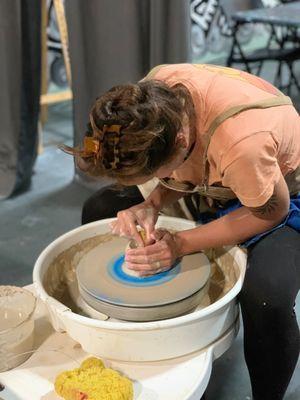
<point x="234" y="228"/>
<point x="144" y="214"/>
<point x="237" y="226"/>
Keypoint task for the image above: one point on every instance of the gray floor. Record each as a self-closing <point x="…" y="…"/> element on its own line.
<point x="52" y="206"/>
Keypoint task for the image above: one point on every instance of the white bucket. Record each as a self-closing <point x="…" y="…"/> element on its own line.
<point x="142" y="341"/>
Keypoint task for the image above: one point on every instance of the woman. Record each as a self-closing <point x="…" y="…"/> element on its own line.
<point x="219" y="146"/>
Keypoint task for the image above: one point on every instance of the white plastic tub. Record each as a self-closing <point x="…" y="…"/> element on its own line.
<point x="17" y="306"/>
<point x="148" y="341"/>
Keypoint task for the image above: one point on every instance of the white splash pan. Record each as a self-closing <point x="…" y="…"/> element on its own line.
<point x="142" y="341"/>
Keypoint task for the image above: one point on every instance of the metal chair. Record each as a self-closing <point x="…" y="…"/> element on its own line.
<point x="276" y="49"/>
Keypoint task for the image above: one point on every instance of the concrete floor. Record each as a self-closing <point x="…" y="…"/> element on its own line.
<point x="52" y="206"/>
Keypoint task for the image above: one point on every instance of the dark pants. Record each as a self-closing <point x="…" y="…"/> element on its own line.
<point x="272" y="280"/>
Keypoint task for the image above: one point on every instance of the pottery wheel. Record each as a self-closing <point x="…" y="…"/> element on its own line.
<point x="105" y="286"/>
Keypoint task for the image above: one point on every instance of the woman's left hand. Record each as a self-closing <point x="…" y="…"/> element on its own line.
<point x="155" y="258"/>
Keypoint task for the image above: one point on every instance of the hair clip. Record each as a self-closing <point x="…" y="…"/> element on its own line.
<point x="92" y="146"/>
<point x="114" y="164"/>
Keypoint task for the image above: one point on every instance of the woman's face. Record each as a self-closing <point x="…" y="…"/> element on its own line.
<point x="167" y="169"/>
<point x="183" y="143"/>
<point x="163" y="172"/>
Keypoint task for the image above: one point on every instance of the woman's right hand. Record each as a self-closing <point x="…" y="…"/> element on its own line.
<point x="142" y="214"/>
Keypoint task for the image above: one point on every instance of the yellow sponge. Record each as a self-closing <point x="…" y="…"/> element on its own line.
<point x="92" y="381"/>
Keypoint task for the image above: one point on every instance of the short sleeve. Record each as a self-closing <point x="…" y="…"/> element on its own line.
<point x="250" y="168"/>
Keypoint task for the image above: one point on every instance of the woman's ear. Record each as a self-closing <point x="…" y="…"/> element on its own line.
<point x="181" y="140"/>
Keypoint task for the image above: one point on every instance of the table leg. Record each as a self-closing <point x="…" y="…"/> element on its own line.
<point x="237" y="48"/>
<point x="231" y="54"/>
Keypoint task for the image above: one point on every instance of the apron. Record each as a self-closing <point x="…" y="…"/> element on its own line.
<point x="222" y="200"/>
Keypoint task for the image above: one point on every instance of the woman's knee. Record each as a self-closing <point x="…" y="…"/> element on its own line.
<point x="271" y="280"/>
<point x="98" y="206"/>
<point x="108" y="201"/>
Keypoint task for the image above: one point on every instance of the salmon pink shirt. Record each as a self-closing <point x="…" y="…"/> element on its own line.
<point x="249" y="151"/>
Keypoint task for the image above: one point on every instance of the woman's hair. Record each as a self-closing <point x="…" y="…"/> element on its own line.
<point x="132" y="130"/>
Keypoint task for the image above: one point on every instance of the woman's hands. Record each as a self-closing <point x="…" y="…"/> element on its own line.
<point x="160" y="249"/>
<point x="154" y="258"/>
<point x="143" y="214"/>
<point x="158" y="252"/>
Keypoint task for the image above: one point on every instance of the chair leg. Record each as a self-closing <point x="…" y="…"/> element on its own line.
<point x="270" y="40"/>
<point x="277" y="79"/>
<point x="261" y="63"/>
<point x="293" y="78"/>
<point x="232" y="50"/>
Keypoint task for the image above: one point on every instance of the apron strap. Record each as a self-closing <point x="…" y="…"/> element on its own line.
<point x="267" y="103"/>
<point x="221" y="193"/>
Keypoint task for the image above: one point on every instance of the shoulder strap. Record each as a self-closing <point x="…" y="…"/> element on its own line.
<point x="187" y="188"/>
<point x="267" y="103"/>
